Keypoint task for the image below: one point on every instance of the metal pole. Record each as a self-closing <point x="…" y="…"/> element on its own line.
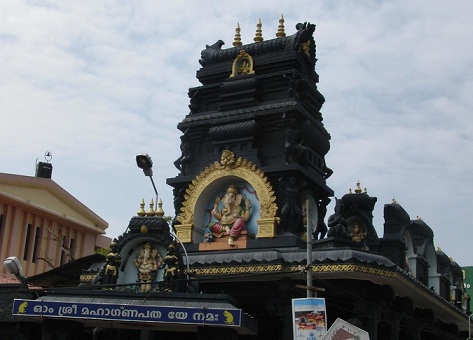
<point x="156" y="192"/>
<point x="185" y="252"/>
<point x="309" y="253"/>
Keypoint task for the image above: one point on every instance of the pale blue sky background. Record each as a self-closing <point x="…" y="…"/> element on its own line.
<point x="97" y="82"/>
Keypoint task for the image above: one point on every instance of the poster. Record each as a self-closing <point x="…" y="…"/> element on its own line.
<point x="309" y="318"/>
<point x="343" y="330"/>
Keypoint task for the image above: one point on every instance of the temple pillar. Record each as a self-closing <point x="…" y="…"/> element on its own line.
<point x="184" y="232"/>
<point x="267" y="227"/>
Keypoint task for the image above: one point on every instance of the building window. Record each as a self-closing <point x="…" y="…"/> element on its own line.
<point x="37" y="238"/>
<point x="27" y="242"/>
<point x="71" y="250"/>
<point x="61" y="260"/>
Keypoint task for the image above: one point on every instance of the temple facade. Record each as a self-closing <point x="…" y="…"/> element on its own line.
<point x="251" y="234"/>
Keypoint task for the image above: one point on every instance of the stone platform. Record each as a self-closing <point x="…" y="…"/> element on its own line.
<point x="221" y="243"/>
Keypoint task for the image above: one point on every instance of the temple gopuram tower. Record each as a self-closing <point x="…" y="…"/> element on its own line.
<point x="253" y="257"/>
<point x="254" y="124"/>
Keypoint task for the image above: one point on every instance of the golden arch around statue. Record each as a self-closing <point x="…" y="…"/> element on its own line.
<point x="210" y="187"/>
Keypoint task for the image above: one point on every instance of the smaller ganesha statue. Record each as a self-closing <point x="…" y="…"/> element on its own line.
<point x="232" y="217"/>
<point x="148" y="261"/>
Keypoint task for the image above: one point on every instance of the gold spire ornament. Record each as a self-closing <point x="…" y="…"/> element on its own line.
<point x="358" y="188"/>
<point x="281" y="33"/>
<point x="151" y="211"/>
<point x="159" y="210"/>
<point x="142" y="211"/>
<point x="259" y="32"/>
<point x="237" y="41"/>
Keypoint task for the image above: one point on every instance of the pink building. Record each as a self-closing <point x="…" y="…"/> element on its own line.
<point x="44" y="226"/>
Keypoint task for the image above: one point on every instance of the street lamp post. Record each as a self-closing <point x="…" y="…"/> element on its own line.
<point x="14" y="267"/>
<point x="309" y="251"/>
<point x="145" y="163"/>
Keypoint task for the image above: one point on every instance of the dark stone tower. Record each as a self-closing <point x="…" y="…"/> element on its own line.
<point x="260" y="101"/>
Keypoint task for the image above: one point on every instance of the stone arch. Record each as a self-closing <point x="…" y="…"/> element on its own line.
<point x="214" y="177"/>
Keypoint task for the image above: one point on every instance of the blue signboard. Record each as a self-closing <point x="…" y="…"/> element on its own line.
<point x="124" y="312"/>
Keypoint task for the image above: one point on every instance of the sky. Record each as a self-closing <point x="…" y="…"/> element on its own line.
<point x="98" y="82"/>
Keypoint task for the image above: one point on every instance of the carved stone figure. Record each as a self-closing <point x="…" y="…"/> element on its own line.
<point x="306" y="51"/>
<point x="321" y="229"/>
<point x="186" y="156"/>
<point x="304" y="34"/>
<point x="209" y="51"/>
<point x="148" y="261"/>
<point x="110" y="269"/>
<point x="295" y="151"/>
<point x="337" y="224"/>
<point x="327" y="171"/>
<point x="171" y="273"/>
<point x="232" y="217"/>
<point x="244" y="67"/>
<point x="358" y="234"/>
<point x="291" y="212"/>
<point x="193" y="103"/>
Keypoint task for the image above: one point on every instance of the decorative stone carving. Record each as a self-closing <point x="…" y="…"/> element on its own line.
<point x="234" y="168"/>
<point x="242" y="65"/>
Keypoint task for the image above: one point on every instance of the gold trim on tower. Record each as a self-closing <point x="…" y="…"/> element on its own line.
<point x="242" y="65"/>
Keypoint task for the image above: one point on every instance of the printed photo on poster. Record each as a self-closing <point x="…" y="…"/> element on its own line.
<point x="309" y="318"/>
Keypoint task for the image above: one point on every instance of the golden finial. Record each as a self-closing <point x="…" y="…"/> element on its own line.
<point x="358" y="188"/>
<point x="237" y="41"/>
<point x="394" y="201"/>
<point x="259" y="32"/>
<point x="281" y="33"/>
<point x="159" y="210"/>
<point x="151" y="212"/>
<point x="142" y="211"/>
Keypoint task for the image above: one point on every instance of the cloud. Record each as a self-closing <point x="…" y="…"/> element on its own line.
<point x="96" y="83"/>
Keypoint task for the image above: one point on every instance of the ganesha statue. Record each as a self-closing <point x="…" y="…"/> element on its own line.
<point x="232" y="216"/>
